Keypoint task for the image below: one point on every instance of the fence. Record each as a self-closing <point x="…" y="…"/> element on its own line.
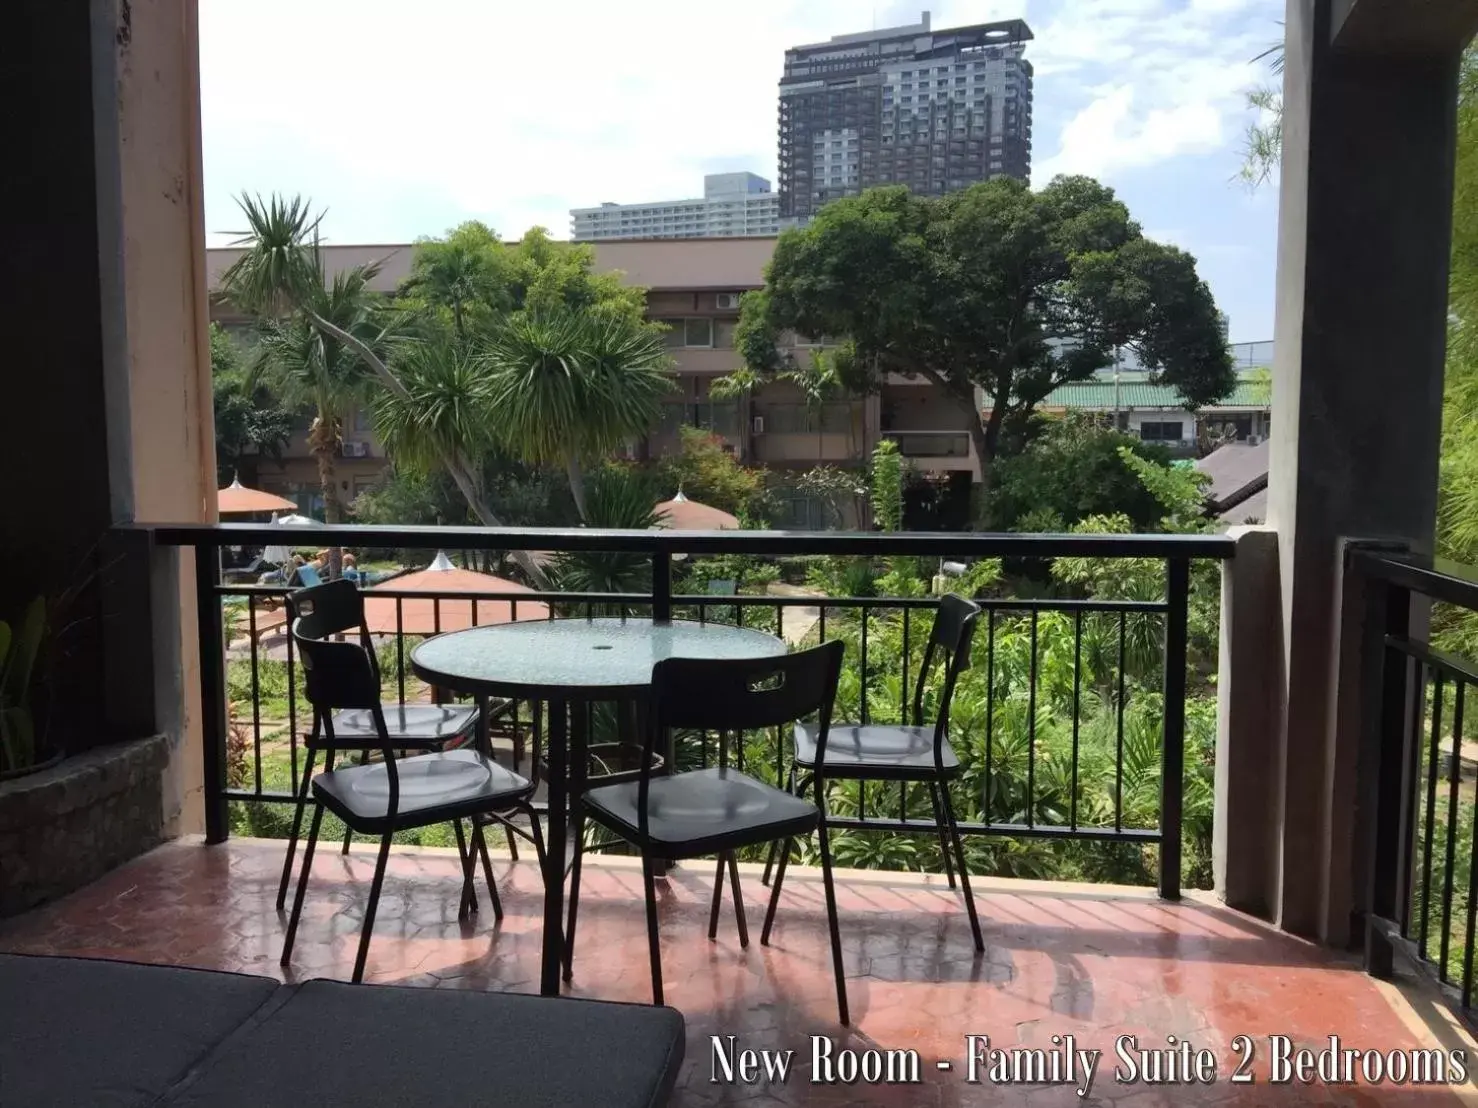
<point x="1036" y="764"/>
<point x="1423" y="831"/>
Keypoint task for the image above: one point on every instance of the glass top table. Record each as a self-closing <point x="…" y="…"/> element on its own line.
<point x="585" y="659"/>
<point x="562" y="661"/>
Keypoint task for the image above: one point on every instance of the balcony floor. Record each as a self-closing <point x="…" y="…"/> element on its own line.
<point x="1091" y="961"/>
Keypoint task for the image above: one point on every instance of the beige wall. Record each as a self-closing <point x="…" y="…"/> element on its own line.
<point x="168" y="353"/>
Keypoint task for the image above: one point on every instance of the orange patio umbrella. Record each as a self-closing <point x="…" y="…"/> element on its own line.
<point x="682" y="514"/>
<point x="424" y="616"/>
<point x="237" y="499"/>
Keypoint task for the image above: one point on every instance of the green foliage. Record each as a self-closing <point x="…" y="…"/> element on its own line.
<point x="887" y="486"/>
<point x="619" y="496"/>
<point x="709" y="474"/>
<point x="836" y="489"/>
<point x="19" y="650"/>
<point x="247" y="415"/>
<point x="1262" y="147"/>
<point x="1071" y="471"/>
<point x="463" y="280"/>
<point x="279" y="266"/>
<point x="448" y="410"/>
<point x="969" y="291"/>
<point x="568" y="388"/>
<point x="1457" y="512"/>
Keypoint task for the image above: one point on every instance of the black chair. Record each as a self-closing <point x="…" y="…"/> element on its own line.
<point x="421" y="728"/>
<point x="718" y="810"/>
<point x="902" y="752"/>
<point x="397" y="793"/>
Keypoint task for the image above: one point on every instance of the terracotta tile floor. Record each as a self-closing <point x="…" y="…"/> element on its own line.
<point x="1061" y="960"/>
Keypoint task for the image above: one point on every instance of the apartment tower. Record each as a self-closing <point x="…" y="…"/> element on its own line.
<point x="934" y="110"/>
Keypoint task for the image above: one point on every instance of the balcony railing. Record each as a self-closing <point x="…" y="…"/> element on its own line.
<point x="1037" y="764"/>
<point x="1422" y="826"/>
<point x="931" y="444"/>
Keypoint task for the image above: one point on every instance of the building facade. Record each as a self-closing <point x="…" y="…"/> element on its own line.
<point x="694" y="289"/>
<point x="733" y="204"/>
<point x="934" y="110"/>
<point x="1156" y="413"/>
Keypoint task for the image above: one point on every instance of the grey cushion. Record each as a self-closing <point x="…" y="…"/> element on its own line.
<point x="363" y="1045"/>
<point x="80" y="1031"/>
<point x="888" y="748"/>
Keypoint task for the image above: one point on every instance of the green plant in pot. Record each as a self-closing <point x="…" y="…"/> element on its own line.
<point x="19" y="647"/>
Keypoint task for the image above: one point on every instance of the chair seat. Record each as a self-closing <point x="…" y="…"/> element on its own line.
<point x="897" y="750"/>
<point x="434" y="788"/>
<point x="702" y="811"/>
<point x="410" y="726"/>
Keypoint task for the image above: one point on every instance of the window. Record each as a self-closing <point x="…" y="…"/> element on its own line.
<point x="1161" y="432"/>
<point x="832" y="417"/>
<point x="698" y="332"/>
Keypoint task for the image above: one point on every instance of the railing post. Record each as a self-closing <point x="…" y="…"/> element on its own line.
<point x="212" y="689"/>
<point x="1387" y="706"/>
<point x="1172" y="753"/>
<point x="662" y="585"/>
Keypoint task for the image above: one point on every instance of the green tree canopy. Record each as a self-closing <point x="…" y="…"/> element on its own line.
<point x="1069" y="473"/>
<point x="471" y="280"/>
<point x="996" y="288"/>
<point x="249" y="421"/>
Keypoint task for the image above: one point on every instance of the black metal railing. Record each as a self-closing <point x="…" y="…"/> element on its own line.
<point x="1037" y="764"/>
<point x="1418" y="708"/>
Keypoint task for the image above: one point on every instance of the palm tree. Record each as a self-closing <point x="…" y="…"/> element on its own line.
<point x="1262" y="150"/>
<point x="310" y="369"/>
<point x="277" y="273"/>
<point x="568" y="388"/>
<point x="459" y="275"/>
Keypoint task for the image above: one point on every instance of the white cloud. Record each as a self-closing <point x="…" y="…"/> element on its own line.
<point x="404" y="119"/>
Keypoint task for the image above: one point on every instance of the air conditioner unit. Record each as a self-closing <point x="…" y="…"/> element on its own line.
<point x="1254" y="440"/>
<point x="727" y="301"/>
<point x="356" y="449"/>
<point x="757" y="425"/>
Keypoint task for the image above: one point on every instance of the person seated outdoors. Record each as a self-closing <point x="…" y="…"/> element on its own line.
<point x="280" y="576"/>
<point x="350" y="568"/>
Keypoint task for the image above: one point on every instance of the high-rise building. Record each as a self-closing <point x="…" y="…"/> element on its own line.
<point x="733" y="204"/>
<point x="934" y="110"/>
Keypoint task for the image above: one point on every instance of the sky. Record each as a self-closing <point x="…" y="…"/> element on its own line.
<point x="403" y="120"/>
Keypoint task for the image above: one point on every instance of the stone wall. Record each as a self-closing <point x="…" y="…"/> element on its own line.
<point x="68" y="825"/>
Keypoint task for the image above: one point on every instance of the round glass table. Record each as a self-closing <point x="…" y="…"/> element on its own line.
<point x="572" y="660"/>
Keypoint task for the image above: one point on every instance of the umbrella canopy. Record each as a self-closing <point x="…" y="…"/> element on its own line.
<point x="421" y="616"/>
<point x="282" y="553"/>
<point x="682" y="514"/>
<point x="237" y="499"/>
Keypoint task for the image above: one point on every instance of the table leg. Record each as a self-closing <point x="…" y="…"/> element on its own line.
<point x="554" y="851"/>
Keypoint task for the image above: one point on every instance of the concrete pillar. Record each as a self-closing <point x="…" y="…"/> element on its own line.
<point x="1245" y="854"/>
<point x="1368" y="147"/>
<point x="110" y="380"/>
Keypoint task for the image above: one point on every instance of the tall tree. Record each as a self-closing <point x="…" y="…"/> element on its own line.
<point x="278" y="273"/>
<point x="567" y="388"/>
<point x="466" y="276"/>
<point x="995" y="288"/>
<point x="249" y="421"/>
<point x="311" y="368"/>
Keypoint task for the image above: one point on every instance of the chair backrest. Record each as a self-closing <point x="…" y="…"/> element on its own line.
<point x="737" y="695"/>
<point x="952" y="635"/>
<point x="316" y="613"/>
<point x="341" y="676"/>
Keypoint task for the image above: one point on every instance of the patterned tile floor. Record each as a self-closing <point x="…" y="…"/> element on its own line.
<point x="1089" y="962"/>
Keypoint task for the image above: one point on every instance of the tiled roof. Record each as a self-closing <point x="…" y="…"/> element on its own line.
<point x="1237" y="470"/>
<point x="1135" y="391"/>
<point x="1252" y="510"/>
